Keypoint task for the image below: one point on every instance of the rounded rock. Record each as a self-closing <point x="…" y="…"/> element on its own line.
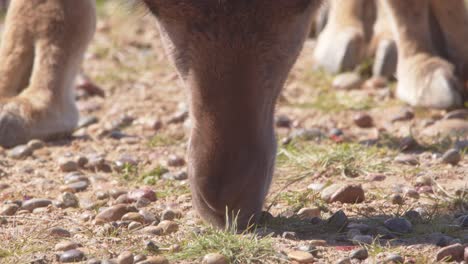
<point x="125" y="258"/>
<point x="348" y="194"/>
<point x="214" y="258"/>
<point x="363" y="120"/>
<point x="360" y="254"/>
<point x="452" y="157"/>
<point x="71" y="256"/>
<point x="66" y="245"/>
<point x="451" y="253"/>
<point x="399" y="225"/>
<point x="32" y="204"/>
<point x="301" y="256"/>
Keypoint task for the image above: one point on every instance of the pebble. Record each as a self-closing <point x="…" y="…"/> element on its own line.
<point x="133" y="217"/>
<point x="175" y="161"/>
<point x="413" y="216"/>
<point x="125" y="257"/>
<point x="36" y="144"/>
<point x="78" y="186"/>
<point x="405" y="114"/>
<point x="67" y="165"/>
<point x="142" y="202"/>
<point x="351" y="193"/>
<point x="283" y="121"/>
<point x="73" y="255"/>
<point x="308" y="213"/>
<point x="407" y="159"/>
<point x="362" y="239"/>
<point x="169" y="214"/>
<point x="452" y="157"/>
<point x="290" y="235"/>
<point x="301" y="256"/>
<point x="452" y="253"/>
<point x="134" y="226"/>
<point x="113" y="213"/>
<point x="376" y="177"/>
<point x="179" y="117"/>
<point x="411" y="193"/>
<point x="151" y="246"/>
<point x="397" y="199"/>
<point x="399" y="225"/>
<point x="214" y="258"/>
<point x="69" y="200"/>
<point x="32" y="204"/>
<point x="142" y="193"/>
<point x="66" y="245"/>
<point x="363" y="228"/>
<point x="86" y="121"/>
<point x="363" y="120"/>
<point x="394" y="258"/>
<point x="59" y="232"/>
<point x="9" y="209"/>
<point x="338" y="220"/>
<point x="168" y="227"/>
<point x="102" y="195"/>
<point x="20" y="152"/>
<point x="153" y="230"/>
<point x="408" y="144"/>
<point x="347" y="81"/>
<point x="423" y="181"/>
<point x="360" y="254"/>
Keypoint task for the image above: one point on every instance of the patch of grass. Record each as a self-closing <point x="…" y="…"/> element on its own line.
<point x="237" y="248"/>
<point x="161" y="140"/>
<point x="347" y="158"/>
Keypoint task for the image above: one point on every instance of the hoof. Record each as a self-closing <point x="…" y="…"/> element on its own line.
<point x="386" y="58"/>
<point x="339" y="52"/>
<point x="431" y="82"/>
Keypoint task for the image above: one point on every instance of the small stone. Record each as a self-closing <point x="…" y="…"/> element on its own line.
<point x="151" y="246"/>
<point x="125" y="258"/>
<point x="73" y="255"/>
<point x="168" y="214"/>
<point x="363" y="228"/>
<point x="307" y="213"/>
<point x="32" y="204"/>
<point x="153" y="230"/>
<point x="59" y="232"/>
<point x="78" y="186"/>
<point x="338" y="220"/>
<point x="67" y="165"/>
<point x="102" y="195"/>
<point x="66" y="245"/>
<point x="397" y="199"/>
<point x="168" y="227"/>
<point x="399" y="225"/>
<point x="73" y="177"/>
<point x="347" y="81"/>
<point x="86" y="121"/>
<point x="408" y="144"/>
<point x="9" y="209"/>
<point x="407" y="159"/>
<point x="290" y="235"/>
<point x="179" y="117"/>
<point x="363" y="120"/>
<point x="20" y="152"/>
<point x="412" y="193"/>
<point x="376" y="177"/>
<point x="214" y="258"/>
<point x="175" y="161"/>
<point x="362" y="239"/>
<point x="451" y="253"/>
<point x="139" y="258"/>
<point x="394" y="258"/>
<point x="134" y="226"/>
<point x="142" y="202"/>
<point x="452" y="157"/>
<point x="348" y="194"/>
<point x="360" y="254"/>
<point x="318" y="243"/>
<point x="69" y="200"/>
<point x="135" y="217"/>
<point x="36" y="144"/>
<point x="113" y="213"/>
<point x="142" y="193"/>
<point x="301" y="256"/>
<point x="413" y="216"/>
<point x="283" y="121"/>
<point x="423" y="181"/>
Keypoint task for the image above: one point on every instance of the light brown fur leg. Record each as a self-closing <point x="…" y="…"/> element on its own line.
<point x="342" y="44"/>
<point x="424" y="79"/>
<point x="57" y="33"/>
